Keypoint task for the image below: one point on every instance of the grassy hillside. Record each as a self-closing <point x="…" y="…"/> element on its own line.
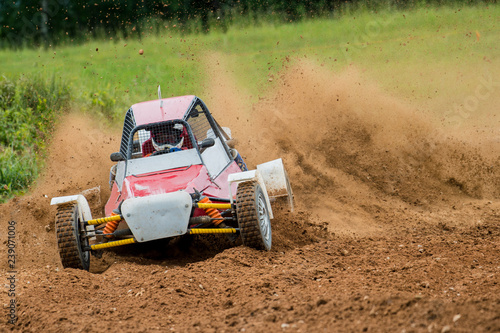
<point x="398" y="49"/>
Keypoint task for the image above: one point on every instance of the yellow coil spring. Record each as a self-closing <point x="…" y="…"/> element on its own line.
<point x="105" y="220"/>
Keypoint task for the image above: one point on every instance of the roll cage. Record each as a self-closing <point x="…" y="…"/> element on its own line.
<point x="198" y="125"/>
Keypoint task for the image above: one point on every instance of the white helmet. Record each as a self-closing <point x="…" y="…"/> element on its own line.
<point x="166" y="137"/>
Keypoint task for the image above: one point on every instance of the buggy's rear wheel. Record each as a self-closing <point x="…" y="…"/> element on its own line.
<point x="70" y="238"/>
<point x="253" y="216"/>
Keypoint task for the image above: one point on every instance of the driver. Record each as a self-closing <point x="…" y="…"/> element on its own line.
<point x="164" y="139"/>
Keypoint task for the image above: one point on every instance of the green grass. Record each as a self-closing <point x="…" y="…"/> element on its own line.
<point x="398" y="49"/>
<point x="28" y="109"/>
<point x="110" y="76"/>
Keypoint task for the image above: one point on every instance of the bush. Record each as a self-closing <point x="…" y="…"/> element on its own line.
<point x="28" y="108"/>
<point x="104" y="103"/>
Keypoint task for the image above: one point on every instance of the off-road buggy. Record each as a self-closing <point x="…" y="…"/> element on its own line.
<point x="177" y="173"/>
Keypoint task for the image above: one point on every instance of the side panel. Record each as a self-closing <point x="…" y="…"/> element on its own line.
<point x="222" y="190"/>
<point x="120" y="174"/>
<point x="114" y="200"/>
<point x="215" y="158"/>
<point x="276" y="179"/>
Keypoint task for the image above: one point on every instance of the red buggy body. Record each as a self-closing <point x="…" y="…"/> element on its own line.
<point x="199" y="186"/>
<point x="163" y="174"/>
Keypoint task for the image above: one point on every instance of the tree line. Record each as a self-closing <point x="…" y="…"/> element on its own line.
<point x="35" y="23"/>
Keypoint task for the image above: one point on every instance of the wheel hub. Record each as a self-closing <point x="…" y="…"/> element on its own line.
<point x="264" y="220"/>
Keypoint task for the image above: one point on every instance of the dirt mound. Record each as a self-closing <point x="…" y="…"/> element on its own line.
<point x="77" y="162"/>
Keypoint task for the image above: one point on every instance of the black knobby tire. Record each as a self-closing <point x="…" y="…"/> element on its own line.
<point x="253" y="216"/>
<point x="69" y="242"/>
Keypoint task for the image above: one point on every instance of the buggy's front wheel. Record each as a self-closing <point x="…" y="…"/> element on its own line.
<point x="253" y="216"/>
<point x="71" y="238"/>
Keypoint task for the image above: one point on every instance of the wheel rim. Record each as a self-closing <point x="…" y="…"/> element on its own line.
<point x="81" y="241"/>
<point x="264" y="220"/>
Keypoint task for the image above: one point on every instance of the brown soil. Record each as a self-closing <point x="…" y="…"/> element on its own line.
<point x="397" y="227"/>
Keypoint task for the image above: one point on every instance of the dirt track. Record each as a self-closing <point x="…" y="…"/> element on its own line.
<point x="397" y="229"/>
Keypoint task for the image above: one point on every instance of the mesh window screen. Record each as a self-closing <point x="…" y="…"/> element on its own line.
<point x="140" y="137"/>
<point x="128" y="126"/>
<point x="160" y="138"/>
<point x="199" y="124"/>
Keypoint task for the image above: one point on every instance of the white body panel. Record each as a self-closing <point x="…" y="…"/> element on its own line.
<point x="276" y="179"/>
<point x="163" y="162"/>
<point x="83" y="209"/>
<point x="215" y="158"/>
<point x="158" y="216"/>
<point x="251" y="175"/>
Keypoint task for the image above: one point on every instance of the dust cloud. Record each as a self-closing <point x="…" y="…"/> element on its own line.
<point x="351" y="150"/>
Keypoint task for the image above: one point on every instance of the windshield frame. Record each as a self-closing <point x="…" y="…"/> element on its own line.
<point x="147" y="126"/>
<point x="150" y="165"/>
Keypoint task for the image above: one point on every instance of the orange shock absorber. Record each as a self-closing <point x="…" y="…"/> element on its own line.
<point x="111" y="227"/>
<point x="212" y="212"/>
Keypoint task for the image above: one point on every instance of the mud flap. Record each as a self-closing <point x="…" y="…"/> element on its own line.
<point x="252" y="175"/>
<point x="83" y="210"/>
<point x="276" y="180"/>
